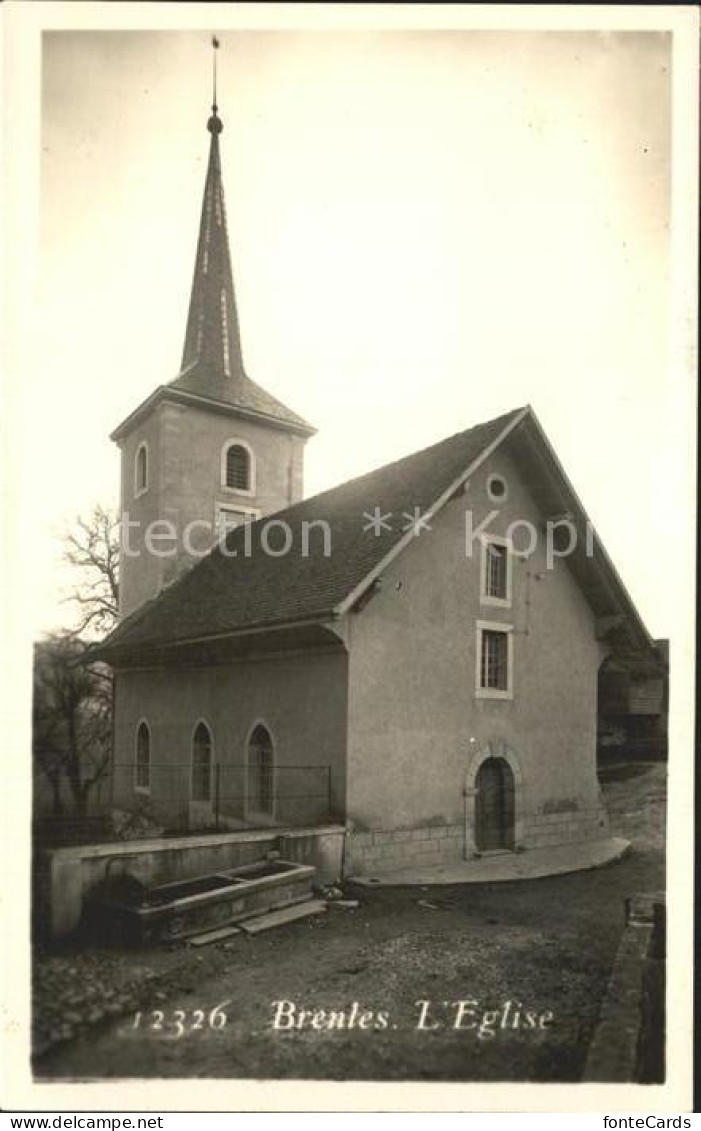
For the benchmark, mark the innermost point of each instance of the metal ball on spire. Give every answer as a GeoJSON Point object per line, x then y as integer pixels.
{"type": "Point", "coordinates": [215, 124]}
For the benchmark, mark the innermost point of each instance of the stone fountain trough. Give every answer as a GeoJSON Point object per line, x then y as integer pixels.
{"type": "Point", "coordinates": [129, 910]}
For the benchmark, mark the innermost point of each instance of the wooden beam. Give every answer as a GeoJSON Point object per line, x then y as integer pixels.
{"type": "Point", "coordinates": [606, 625]}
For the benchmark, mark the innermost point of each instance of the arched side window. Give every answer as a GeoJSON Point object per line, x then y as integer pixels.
{"type": "Point", "coordinates": [202, 763]}
{"type": "Point", "coordinates": [238, 467]}
{"type": "Point", "coordinates": [261, 792]}
{"type": "Point", "coordinates": [142, 772]}
{"type": "Point", "coordinates": [141, 470]}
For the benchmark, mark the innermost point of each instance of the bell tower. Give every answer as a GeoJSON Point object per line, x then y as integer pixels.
{"type": "Point", "coordinates": [211, 448]}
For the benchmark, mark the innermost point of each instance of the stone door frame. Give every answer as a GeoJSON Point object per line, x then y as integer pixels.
{"type": "Point", "coordinates": [493, 748]}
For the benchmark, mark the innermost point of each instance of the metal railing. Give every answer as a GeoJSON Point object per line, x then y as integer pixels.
{"type": "Point", "coordinates": [222, 795]}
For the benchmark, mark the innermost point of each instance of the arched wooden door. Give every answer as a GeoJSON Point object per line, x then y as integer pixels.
{"type": "Point", "coordinates": [494, 805]}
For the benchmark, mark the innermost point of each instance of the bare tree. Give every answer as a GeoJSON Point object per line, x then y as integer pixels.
{"type": "Point", "coordinates": [72, 715]}
{"type": "Point", "coordinates": [93, 548]}
{"type": "Point", "coordinates": [72, 711]}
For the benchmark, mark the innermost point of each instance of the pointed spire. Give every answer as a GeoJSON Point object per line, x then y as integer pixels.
{"type": "Point", "coordinates": [212, 364]}
{"type": "Point", "coordinates": [212, 339]}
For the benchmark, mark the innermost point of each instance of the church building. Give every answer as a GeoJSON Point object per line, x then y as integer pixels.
{"type": "Point", "coordinates": [412, 656]}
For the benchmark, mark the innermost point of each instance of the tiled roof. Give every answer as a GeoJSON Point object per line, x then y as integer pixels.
{"type": "Point", "coordinates": [224, 593]}
{"type": "Point", "coordinates": [239, 392]}
{"type": "Point", "coordinates": [212, 336]}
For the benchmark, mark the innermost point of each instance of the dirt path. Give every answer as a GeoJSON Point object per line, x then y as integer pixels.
{"type": "Point", "coordinates": [545, 946]}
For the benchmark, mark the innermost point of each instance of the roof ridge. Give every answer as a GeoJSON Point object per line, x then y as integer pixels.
{"type": "Point", "coordinates": [267, 587]}
{"type": "Point", "coordinates": [168, 593]}
{"type": "Point", "coordinates": [506, 416]}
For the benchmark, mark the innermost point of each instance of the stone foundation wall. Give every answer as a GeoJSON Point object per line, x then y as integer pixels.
{"type": "Point", "coordinates": [540, 830]}
{"type": "Point", "coordinates": [384, 850]}
{"type": "Point", "coordinates": [388, 849]}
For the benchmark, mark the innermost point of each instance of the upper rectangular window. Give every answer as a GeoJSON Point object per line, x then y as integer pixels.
{"type": "Point", "coordinates": [496, 571]}
{"type": "Point", "coordinates": [495, 583]}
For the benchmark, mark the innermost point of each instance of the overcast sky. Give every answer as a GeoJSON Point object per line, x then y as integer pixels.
{"type": "Point", "coordinates": [427, 229]}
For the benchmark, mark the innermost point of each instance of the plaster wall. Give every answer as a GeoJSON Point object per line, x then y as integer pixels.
{"type": "Point", "coordinates": [300, 699]}
{"type": "Point", "coordinates": [185, 485]}
{"type": "Point", "coordinates": [417, 729]}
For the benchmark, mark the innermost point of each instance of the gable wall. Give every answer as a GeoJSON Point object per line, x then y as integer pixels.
{"type": "Point", "coordinates": [415, 723]}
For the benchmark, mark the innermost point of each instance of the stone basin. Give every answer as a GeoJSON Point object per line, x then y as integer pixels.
{"type": "Point", "coordinates": [136, 912]}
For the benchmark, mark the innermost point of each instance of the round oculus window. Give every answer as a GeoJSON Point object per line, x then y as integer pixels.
{"type": "Point", "coordinates": [496, 488]}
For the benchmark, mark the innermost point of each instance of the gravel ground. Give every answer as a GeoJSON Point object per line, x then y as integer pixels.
{"type": "Point", "coordinates": [77, 991]}
{"type": "Point", "coordinates": [547, 944]}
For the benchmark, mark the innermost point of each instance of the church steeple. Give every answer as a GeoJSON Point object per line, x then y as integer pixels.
{"type": "Point", "coordinates": [212, 362]}
{"type": "Point", "coordinates": [211, 448]}
{"type": "Point", "coordinates": [212, 339]}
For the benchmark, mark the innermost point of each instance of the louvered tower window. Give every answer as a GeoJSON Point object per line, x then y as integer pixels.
{"type": "Point", "coordinates": [238, 468]}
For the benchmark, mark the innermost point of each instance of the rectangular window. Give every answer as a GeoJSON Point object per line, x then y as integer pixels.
{"type": "Point", "coordinates": [229, 517]}
{"type": "Point", "coordinates": [494, 661]}
{"type": "Point", "coordinates": [495, 655]}
{"type": "Point", "coordinates": [496, 571]}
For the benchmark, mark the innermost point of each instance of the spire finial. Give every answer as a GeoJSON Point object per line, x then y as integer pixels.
{"type": "Point", "coordinates": [214, 125]}
{"type": "Point", "coordinates": [215, 48]}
